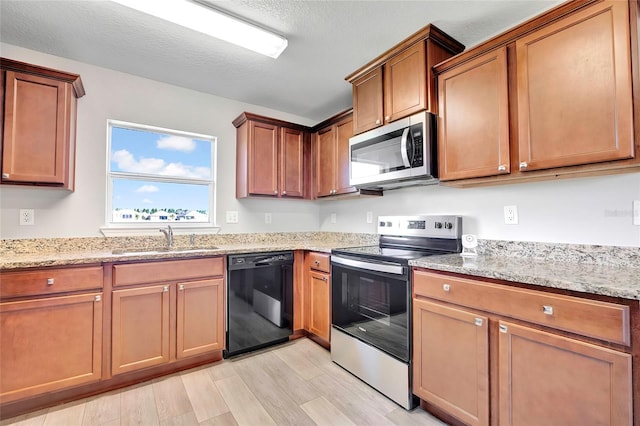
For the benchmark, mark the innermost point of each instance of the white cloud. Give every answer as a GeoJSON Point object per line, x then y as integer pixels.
{"type": "Point", "coordinates": [157, 166]}
{"type": "Point", "coordinates": [147, 201]}
{"type": "Point", "coordinates": [176, 143]}
{"type": "Point", "coordinates": [148, 188]}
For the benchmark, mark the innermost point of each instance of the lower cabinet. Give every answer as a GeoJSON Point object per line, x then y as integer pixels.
{"type": "Point", "coordinates": [317, 295]}
{"type": "Point", "coordinates": [561, 381]}
{"type": "Point", "coordinates": [158, 323]}
{"type": "Point", "coordinates": [49, 344]}
{"type": "Point", "coordinates": [451, 348]}
{"type": "Point", "coordinates": [200, 311]}
{"type": "Point", "coordinates": [547, 368]}
{"type": "Point", "coordinates": [140, 328]}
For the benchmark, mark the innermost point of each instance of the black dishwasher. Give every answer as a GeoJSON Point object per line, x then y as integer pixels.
{"type": "Point", "coordinates": [259, 300]}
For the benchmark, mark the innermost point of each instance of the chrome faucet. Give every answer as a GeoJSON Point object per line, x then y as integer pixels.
{"type": "Point", "coordinates": [169, 234]}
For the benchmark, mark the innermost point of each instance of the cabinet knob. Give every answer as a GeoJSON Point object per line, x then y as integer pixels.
{"type": "Point", "coordinates": [317, 262]}
{"type": "Point", "coordinates": [502, 168]}
{"type": "Point", "coordinates": [98, 298]}
{"type": "Point", "coordinates": [165, 289]}
{"type": "Point", "coordinates": [478, 322]}
{"type": "Point", "coordinates": [377, 121]}
{"type": "Point", "coordinates": [503, 328]}
{"type": "Point", "coordinates": [324, 278]}
{"type": "Point", "coordinates": [275, 192]}
{"type": "Point", "coordinates": [523, 165]}
{"type": "Point", "coordinates": [181, 287]}
{"type": "Point", "coordinates": [446, 287]}
{"type": "Point", "coordinates": [387, 118]}
{"type": "Point", "coordinates": [284, 192]}
{"type": "Point", "coordinates": [547, 310]}
{"type": "Point", "coordinates": [50, 281]}
{"type": "Point", "coordinates": [5, 175]}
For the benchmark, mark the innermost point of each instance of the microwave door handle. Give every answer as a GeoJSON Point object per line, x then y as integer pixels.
{"type": "Point", "coordinates": [403, 148]}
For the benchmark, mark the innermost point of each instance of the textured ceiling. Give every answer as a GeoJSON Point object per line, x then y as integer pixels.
{"type": "Point", "coordinates": [327, 41]}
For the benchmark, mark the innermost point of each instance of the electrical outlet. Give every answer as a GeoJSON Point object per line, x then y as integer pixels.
{"type": "Point", "coordinates": [636, 212]}
{"type": "Point", "coordinates": [27, 217]}
{"type": "Point", "coordinates": [267, 218]}
{"type": "Point", "coordinates": [511, 215]}
{"type": "Point", "coordinates": [232, 216]}
{"type": "Point", "coordinates": [369, 217]}
{"type": "Point", "coordinates": [333, 218]}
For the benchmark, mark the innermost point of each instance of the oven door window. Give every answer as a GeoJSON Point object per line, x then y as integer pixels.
{"type": "Point", "coordinates": [373, 307]}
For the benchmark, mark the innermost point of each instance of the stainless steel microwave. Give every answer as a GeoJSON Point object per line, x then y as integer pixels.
{"type": "Point", "coordinates": [395, 155]}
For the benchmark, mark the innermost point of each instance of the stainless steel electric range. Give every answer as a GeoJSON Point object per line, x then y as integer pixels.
{"type": "Point", "coordinates": [371, 300]}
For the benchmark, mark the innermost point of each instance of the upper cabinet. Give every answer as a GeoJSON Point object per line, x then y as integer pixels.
{"type": "Point", "coordinates": [38, 115]}
{"type": "Point", "coordinates": [271, 157]}
{"type": "Point", "coordinates": [331, 156]}
{"type": "Point", "coordinates": [574, 90]}
{"type": "Point", "coordinates": [552, 97]}
{"type": "Point", "coordinates": [400, 82]}
{"type": "Point", "coordinates": [473, 112]}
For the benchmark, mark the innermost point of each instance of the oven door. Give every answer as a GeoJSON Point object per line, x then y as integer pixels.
{"type": "Point", "coordinates": [371, 302]}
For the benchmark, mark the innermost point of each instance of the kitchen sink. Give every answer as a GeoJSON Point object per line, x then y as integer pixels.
{"type": "Point", "coordinates": [152, 250]}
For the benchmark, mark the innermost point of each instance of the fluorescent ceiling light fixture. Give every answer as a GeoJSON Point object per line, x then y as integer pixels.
{"type": "Point", "coordinates": [212, 22]}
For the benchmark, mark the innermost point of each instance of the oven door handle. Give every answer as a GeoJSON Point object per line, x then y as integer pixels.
{"type": "Point", "coordinates": [378, 267]}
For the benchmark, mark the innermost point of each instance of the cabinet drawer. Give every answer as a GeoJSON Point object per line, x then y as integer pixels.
{"type": "Point", "coordinates": [600, 320]}
{"type": "Point", "coordinates": [171, 270]}
{"type": "Point", "coordinates": [320, 262]}
{"type": "Point", "coordinates": [49, 281]}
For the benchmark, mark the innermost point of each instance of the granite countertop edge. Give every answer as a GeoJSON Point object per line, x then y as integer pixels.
{"type": "Point", "coordinates": [622, 282]}
{"type": "Point", "coordinates": [37, 260]}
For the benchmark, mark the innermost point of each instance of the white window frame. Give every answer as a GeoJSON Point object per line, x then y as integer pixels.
{"type": "Point", "coordinates": [123, 228]}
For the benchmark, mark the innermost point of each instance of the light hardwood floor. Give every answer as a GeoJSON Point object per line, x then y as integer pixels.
{"type": "Point", "coordinates": [292, 384]}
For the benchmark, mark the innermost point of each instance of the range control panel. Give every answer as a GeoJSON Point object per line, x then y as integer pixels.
{"type": "Point", "coordinates": [433, 226]}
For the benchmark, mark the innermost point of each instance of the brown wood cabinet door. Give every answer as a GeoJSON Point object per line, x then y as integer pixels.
{"type": "Point", "coordinates": [368, 101]}
{"type": "Point", "coordinates": [140, 328]}
{"type": "Point", "coordinates": [263, 159]}
{"type": "Point", "coordinates": [200, 317]}
{"type": "Point", "coordinates": [291, 162]}
{"type": "Point", "coordinates": [49, 344]}
{"type": "Point", "coordinates": [473, 118]}
{"type": "Point", "coordinates": [319, 304]}
{"type": "Point", "coordinates": [344, 131]}
{"type": "Point", "coordinates": [36, 129]}
{"type": "Point", "coordinates": [451, 360]}
{"type": "Point", "coordinates": [574, 90]}
{"type": "Point", "coordinates": [540, 373]}
{"type": "Point", "coordinates": [405, 83]}
{"type": "Point", "coordinates": [326, 152]}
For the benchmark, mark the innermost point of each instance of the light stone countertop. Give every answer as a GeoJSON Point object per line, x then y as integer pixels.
{"type": "Point", "coordinates": [606, 280]}
{"type": "Point", "coordinates": [608, 271]}
{"type": "Point", "coordinates": [42, 253]}
{"type": "Point", "coordinates": [35, 260]}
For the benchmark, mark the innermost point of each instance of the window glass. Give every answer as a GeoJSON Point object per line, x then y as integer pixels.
{"type": "Point", "coordinates": [159, 175]}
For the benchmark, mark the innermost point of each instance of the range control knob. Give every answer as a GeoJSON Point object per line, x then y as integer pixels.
{"type": "Point", "coordinates": [448, 225]}
{"type": "Point", "coordinates": [381, 224]}
{"type": "Point", "coordinates": [438, 225]}
{"type": "Point", "coordinates": [388, 223]}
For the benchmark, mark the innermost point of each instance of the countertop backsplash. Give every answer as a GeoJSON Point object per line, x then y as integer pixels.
{"type": "Point", "coordinates": [568, 253]}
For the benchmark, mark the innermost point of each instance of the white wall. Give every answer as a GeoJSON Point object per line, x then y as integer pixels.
{"type": "Point", "coordinates": [578, 210]}
{"type": "Point", "coordinates": [115, 95]}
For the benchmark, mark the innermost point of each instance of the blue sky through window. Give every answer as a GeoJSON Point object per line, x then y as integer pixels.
{"type": "Point", "coordinates": [144, 163]}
